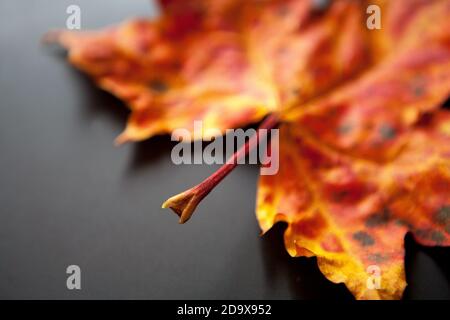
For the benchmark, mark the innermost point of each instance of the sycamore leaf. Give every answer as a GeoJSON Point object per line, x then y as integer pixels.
{"type": "Point", "coordinates": [364, 148]}
{"type": "Point", "coordinates": [228, 63]}
{"type": "Point", "coordinates": [353, 212]}
{"type": "Point", "coordinates": [371, 162]}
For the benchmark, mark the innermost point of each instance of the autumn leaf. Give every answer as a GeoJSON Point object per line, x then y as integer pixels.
{"type": "Point", "coordinates": [364, 143]}
{"type": "Point", "coordinates": [210, 61]}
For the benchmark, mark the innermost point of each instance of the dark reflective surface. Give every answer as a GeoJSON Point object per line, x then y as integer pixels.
{"type": "Point", "coordinates": [68, 196]}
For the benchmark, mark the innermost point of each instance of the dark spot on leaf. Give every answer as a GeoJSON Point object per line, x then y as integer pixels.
{"type": "Point", "coordinates": [377, 258]}
{"type": "Point", "coordinates": [296, 92]}
{"type": "Point", "coordinates": [363, 238]}
{"type": "Point", "coordinates": [345, 128]}
{"type": "Point", "coordinates": [422, 233]}
{"type": "Point", "coordinates": [437, 236]}
{"type": "Point", "coordinates": [378, 219]}
{"type": "Point", "coordinates": [429, 234]}
{"type": "Point", "coordinates": [418, 91]}
{"type": "Point", "coordinates": [442, 216]}
{"type": "Point", "coordinates": [321, 5]}
{"type": "Point", "coordinates": [387, 132]}
{"type": "Point", "coordinates": [447, 228]}
{"type": "Point", "coordinates": [418, 86]}
{"type": "Point", "coordinates": [158, 86]}
{"type": "Point", "coordinates": [404, 223]}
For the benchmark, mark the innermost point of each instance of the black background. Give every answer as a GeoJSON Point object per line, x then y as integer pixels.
{"type": "Point", "coordinates": [68, 196]}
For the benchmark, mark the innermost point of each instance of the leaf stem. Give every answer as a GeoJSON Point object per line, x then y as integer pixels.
{"type": "Point", "coordinates": [185, 203]}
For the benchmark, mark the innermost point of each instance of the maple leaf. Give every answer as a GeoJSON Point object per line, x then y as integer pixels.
{"type": "Point", "coordinates": [365, 147]}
